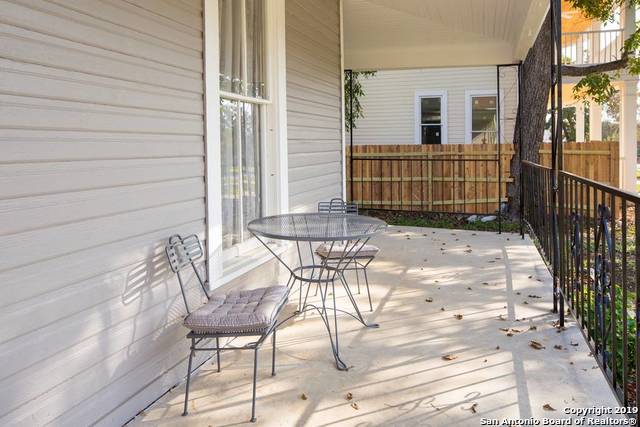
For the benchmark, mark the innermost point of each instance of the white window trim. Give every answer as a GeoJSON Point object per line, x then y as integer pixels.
{"type": "Point", "coordinates": [468, 94]}
{"type": "Point", "coordinates": [443, 112]}
{"type": "Point", "coordinates": [275, 189]}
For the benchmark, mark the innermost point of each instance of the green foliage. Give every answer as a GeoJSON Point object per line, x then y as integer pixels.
{"type": "Point", "coordinates": [595, 86]}
{"type": "Point", "coordinates": [353, 92]}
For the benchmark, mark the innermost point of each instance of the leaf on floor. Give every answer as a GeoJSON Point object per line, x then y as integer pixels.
{"type": "Point", "coordinates": [504, 329]}
{"type": "Point", "coordinates": [303, 396]}
{"type": "Point", "coordinates": [525, 302]}
{"type": "Point", "coordinates": [574, 344]}
{"type": "Point", "coordinates": [534, 296]}
{"type": "Point", "coordinates": [533, 328]}
{"type": "Point", "coordinates": [428, 299]}
{"type": "Point", "coordinates": [449, 357]}
{"type": "Point", "coordinates": [355, 406]}
{"type": "Point", "coordinates": [548, 407]}
{"type": "Point", "coordinates": [558, 347]}
{"type": "Point", "coordinates": [458, 316]}
{"type": "Point", "coordinates": [497, 347]}
{"type": "Point", "coordinates": [536, 345]}
{"type": "Point", "coordinates": [509, 334]}
{"type": "Point", "coordinates": [502, 317]}
{"type": "Point", "coordinates": [349, 396]}
{"type": "Point", "coordinates": [473, 407]}
{"type": "Point", "coordinates": [469, 288]}
{"type": "Point", "coordinates": [441, 308]}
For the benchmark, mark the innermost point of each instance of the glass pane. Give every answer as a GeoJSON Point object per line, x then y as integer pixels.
{"type": "Point", "coordinates": [255, 48]}
{"type": "Point", "coordinates": [430, 110]}
{"type": "Point", "coordinates": [251, 201]}
{"type": "Point", "coordinates": [431, 134]}
{"type": "Point", "coordinates": [241, 171]}
{"type": "Point", "coordinates": [483, 137]}
{"type": "Point", "coordinates": [242, 58]}
{"type": "Point", "coordinates": [230, 165]}
{"type": "Point", "coordinates": [483, 119]}
{"type": "Point", "coordinates": [230, 17]}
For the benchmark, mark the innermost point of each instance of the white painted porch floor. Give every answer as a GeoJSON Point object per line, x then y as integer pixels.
{"type": "Point", "coordinates": [398, 374]}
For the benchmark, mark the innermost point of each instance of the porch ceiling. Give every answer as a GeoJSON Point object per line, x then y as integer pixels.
{"type": "Point", "coordinates": [391, 34]}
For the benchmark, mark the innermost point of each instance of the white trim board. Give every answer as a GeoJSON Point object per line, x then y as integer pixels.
{"type": "Point", "coordinates": [442, 94]}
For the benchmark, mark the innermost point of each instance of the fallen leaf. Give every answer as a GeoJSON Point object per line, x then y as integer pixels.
{"type": "Point", "coordinates": [533, 328]}
{"type": "Point", "coordinates": [497, 347]}
{"type": "Point", "coordinates": [525, 302]}
{"type": "Point", "coordinates": [517, 331]}
{"type": "Point", "coordinates": [504, 329]}
{"type": "Point", "coordinates": [575, 344]}
{"type": "Point", "coordinates": [428, 299]}
{"type": "Point", "coordinates": [473, 408]}
{"type": "Point", "coordinates": [441, 308]}
{"type": "Point", "coordinates": [534, 296]}
{"type": "Point", "coordinates": [354, 405]}
{"type": "Point", "coordinates": [349, 396]}
{"type": "Point", "coordinates": [548, 407]}
{"type": "Point", "coordinates": [536, 345]}
{"type": "Point", "coordinates": [509, 334]}
{"type": "Point", "coordinates": [303, 396]}
{"type": "Point", "coordinates": [469, 288]}
{"type": "Point", "coordinates": [449, 357]}
{"type": "Point", "coordinates": [458, 316]}
{"type": "Point", "coordinates": [558, 347]}
{"type": "Point", "coordinates": [501, 317]}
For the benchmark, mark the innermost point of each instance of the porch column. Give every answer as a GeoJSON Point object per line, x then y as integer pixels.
{"type": "Point", "coordinates": [595, 121]}
{"type": "Point", "coordinates": [579, 122]}
{"type": "Point", "coordinates": [628, 109]}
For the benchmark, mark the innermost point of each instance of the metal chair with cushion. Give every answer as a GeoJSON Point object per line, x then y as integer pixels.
{"type": "Point", "coordinates": [334, 253]}
{"type": "Point", "coordinates": [244, 313]}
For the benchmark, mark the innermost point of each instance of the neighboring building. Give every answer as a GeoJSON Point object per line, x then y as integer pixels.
{"type": "Point", "coordinates": [437, 106]}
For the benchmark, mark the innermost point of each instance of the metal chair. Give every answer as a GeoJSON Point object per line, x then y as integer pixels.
{"type": "Point", "coordinates": [225, 315]}
{"type": "Point", "coordinates": [366, 254]}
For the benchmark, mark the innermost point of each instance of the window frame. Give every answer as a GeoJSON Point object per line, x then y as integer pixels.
{"type": "Point", "coordinates": [442, 94]}
{"type": "Point", "coordinates": [468, 115]}
{"type": "Point", "coordinates": [246, 255]}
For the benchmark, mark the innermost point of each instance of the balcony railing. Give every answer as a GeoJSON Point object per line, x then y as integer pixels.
{"type": "Point", "coordinates": [592, 47]}
{"type": "Point", "coordinates": [598, 266]}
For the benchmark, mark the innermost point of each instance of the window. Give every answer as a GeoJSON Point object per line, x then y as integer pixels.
{"type": "Point", "coordinates": [431, 124]}
{"type": "Point", "coordinates": [481, 117]}
{"type": "Point", "coordinates": [242, 101]}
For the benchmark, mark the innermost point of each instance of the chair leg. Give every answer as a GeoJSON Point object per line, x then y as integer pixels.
{"type": "Point", "coordinates": [218, 353]}
{"type": "Point", "coordinates": [186, 392]}
{"type": "Point", "coordinates": [273, 355]}
{"type": "Point", "coordinates": [366, 281]}
{"type": "Point", "coordinates": [355, 263]}
{"type": "Point", "coordinates": [255, 374]}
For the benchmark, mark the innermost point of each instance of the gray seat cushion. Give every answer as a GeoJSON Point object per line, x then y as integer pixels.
{"type": "Point", "coordinates": [253, 311]}
{"type": "Point", "coordinates": [326, 251]}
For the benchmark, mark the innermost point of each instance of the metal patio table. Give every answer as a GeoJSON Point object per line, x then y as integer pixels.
{"type": "Point", "coordinates": [345, 235]}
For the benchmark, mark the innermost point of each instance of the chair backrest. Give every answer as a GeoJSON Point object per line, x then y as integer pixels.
{"type": "Point", "coordinates": [182, 254]}
{"type": "Point", "coordinates": [338, 205]}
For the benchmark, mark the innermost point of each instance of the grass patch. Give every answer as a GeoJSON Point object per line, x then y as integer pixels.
{"type": "Point", "coordinates": [442, 220]}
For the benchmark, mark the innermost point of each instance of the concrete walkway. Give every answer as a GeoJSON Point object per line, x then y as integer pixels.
{"type": "Point", "coordinates": [436, 293]}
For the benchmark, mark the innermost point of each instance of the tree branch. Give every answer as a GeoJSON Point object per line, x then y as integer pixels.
{"type": "Point", "coordinates": [583, 70]}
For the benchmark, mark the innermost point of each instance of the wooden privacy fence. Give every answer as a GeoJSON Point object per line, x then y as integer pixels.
{"type": "Point", "coordinates": [461, 178]}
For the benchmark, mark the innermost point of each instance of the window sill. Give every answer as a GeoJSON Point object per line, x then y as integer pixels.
{"type": "Point", "coordinates": [254, 258]}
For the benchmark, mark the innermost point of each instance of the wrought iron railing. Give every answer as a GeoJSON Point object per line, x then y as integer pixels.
{"type": "Point", "coordinates": [597, 267]}
{"type": "Point", "coordinates": [592, 47]}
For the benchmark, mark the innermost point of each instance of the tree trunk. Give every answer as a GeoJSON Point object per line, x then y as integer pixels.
{"type": "Point", "coordinates": [536, 85]}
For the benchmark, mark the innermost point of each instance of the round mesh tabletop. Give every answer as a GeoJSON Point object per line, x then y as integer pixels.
{"type": "Point", "coordinates": [316, 227]}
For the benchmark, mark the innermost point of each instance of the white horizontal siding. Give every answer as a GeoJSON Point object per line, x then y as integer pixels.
{"type": "Point", "coordinates": [101, 159]}
{"type": "Point", "coordinates": [389, 102]}
{"type": "Point", "coordinates": [314, 93]}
